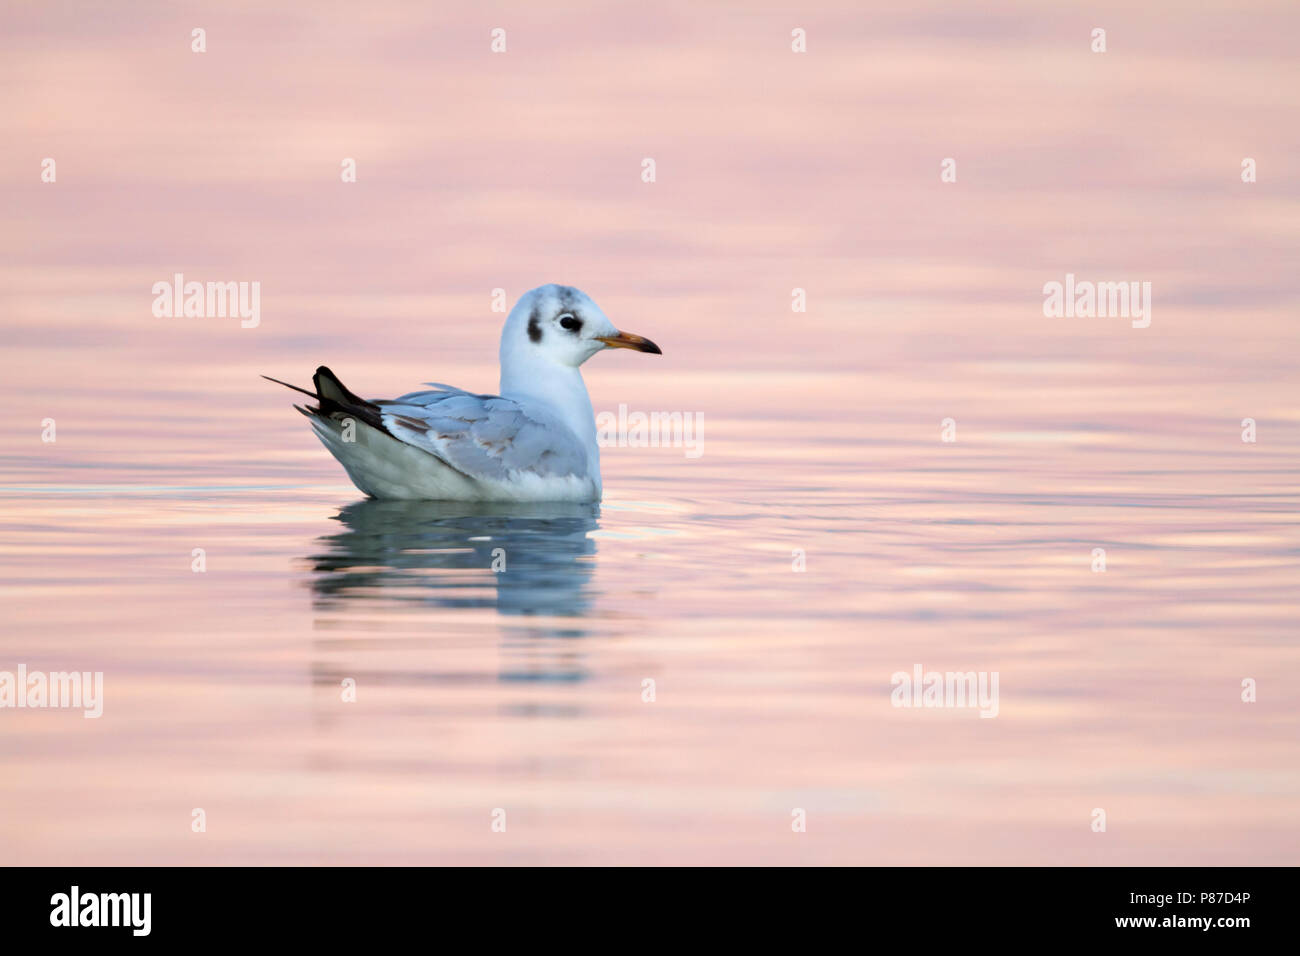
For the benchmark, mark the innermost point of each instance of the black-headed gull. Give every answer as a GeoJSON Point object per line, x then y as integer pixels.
{"type": "Point", "coordinates": [536, 441]}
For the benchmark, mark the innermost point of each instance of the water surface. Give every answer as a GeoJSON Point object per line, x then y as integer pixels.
{"type": "Point", "coordinates": [827, 537]}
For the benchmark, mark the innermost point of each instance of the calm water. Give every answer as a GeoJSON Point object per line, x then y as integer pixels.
{"type": "Point", "coordinates": [521, 689]}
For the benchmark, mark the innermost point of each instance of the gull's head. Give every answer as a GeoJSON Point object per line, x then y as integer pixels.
{"type": "Point", "coordinates": [561, 324]}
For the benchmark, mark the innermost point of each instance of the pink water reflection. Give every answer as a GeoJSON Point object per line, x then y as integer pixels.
{"type": "Point", "coordinates": [775, 171]}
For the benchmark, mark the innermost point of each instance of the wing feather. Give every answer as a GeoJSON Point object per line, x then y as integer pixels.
{"type": "Point", "coordinates": [484, 436]}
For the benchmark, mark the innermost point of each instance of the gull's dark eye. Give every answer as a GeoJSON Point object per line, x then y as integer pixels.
{"type": "Point", "coordinates": [568, 321]}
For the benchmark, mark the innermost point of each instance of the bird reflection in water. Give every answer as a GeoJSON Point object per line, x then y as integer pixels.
{"type": "Point", "coordinates": [531, 563]}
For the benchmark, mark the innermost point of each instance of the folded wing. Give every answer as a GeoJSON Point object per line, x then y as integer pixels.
{"type": "Point", "coordinates": [483, 436]}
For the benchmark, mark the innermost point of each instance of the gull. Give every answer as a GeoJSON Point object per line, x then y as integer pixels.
{"type": "Point", "coordinates": [536, 441]}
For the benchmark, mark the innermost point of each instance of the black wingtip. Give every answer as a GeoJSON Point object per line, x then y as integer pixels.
{"type": "Point", "coordinates": [287, 385]}
{"type": "Point", "coordinates": [329, 386]}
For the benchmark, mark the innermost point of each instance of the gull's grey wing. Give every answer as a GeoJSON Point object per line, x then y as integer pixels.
{"type": "Point", "coordinates": [484, 436]}
{"type": "Point", "coordinates": [438, 393]}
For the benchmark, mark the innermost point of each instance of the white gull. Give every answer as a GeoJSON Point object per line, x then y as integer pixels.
{"type": "Point", "coordinates": [536, 441]}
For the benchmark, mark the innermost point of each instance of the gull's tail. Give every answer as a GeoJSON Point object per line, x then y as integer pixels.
{"type": "Point", "coordinates": [335, 401]}
{"type": "Point", "coordinates": [340, 419]}
{"type": "Point", "coordinates": [379, 462]}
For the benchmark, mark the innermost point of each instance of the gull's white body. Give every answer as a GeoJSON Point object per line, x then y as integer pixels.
{"type": "Point", "coordinates": [535, 441]}
{"type": "Point", "coordinates": [406, 469]}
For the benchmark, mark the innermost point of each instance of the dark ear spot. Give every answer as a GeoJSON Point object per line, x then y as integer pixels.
{"type": "Point", "coordinates": [534, 327]}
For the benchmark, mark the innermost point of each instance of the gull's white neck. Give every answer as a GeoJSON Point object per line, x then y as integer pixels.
{"type": "Point", "coordinates": [533, 379]}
